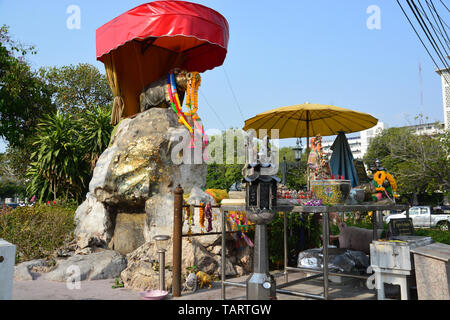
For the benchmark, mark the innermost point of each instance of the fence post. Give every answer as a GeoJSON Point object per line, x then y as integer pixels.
{"type": "Point", "coordinates": [177, 233]}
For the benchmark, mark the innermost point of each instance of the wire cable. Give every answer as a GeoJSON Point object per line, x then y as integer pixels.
{"type": "Point", "coordinates": [445, 6]}
{"type": "Point", "coordinates": [213, 110]}
{"type": "Point", "coordinates": [234, 95]}
{"type": "Point", "coordinates": [427, 32]}
{"type": "Point", "coordinates": [412, 25]}
{"type": "Point", "coordinates": [434, 30]}
{"type": "Point", "coordinates": [442, 32]}
{"type": "Point", "coordinates": [440, 20]}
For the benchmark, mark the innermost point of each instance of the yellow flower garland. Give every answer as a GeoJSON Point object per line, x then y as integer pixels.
{"type": "Point", "coordinates": [379, 178]}
{"type": "Point", "coordinates": [194, 82]}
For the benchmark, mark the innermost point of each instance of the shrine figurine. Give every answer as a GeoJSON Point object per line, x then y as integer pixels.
{"type": "Point", "coordinates": [318, 162]}
{"type": "Point", "coordinates": [384, 184]}
{"type": "Point", "coordinates": [156, 94]}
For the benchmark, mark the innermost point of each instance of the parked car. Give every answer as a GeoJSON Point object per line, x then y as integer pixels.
{"type": "Point", "coordinates": [426, 217]}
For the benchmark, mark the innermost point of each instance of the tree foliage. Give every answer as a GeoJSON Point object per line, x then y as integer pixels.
{"type": "Point", "coordinates": [296, 176]}
{"type": "Point", "coordinates": [24, 98]}
{"type": "Point", "coordinates": [77, 87]}
{"type": "Point", "coordinates": [66, 153]}
{"type": "Point", "coordinates": [420, 163]}
{"type": "Point", "coordinates": [95, 133]}
{"type": "Point", "coordinates": [220, 174]}
{"type": "Point", "coordinates": [57, 169]}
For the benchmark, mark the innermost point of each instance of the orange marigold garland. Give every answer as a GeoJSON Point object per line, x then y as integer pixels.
{"type": "Point", "coordinates": [201, 220]}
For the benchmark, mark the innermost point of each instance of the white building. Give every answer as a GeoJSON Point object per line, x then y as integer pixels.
{"type": "Point", "coordinates": [445, 78]}
{"type": "Point", "coordinates": [427, 129]}
{"type": "Point", "coordinates": [358, 144]}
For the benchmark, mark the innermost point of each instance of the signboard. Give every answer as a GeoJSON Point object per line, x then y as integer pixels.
{"type": "Point", "coordinates": [401, 227]}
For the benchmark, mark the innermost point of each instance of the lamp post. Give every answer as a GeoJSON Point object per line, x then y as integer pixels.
{"type": "Point", "coordinates": [161, 244]}
{"type": "Point", "coordinates": [297, 156]}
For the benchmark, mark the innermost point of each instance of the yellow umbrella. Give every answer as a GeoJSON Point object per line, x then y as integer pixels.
{"type": "Point", "coordinates": [310, 119]}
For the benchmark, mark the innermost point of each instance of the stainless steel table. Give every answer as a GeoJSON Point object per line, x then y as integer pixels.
{"type": "Point", "coordinates": [324, 211]}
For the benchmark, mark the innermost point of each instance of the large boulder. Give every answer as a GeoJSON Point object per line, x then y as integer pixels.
{"type": "Point", "coordinates": [93, 221]}
{"type": "Point", "coordinates": [142, 270]}
{"type": "Point", "coordinates": [24, 271]}
{"type": "Point", "coordinates": [137, 174]}
{"type": "Point", "coordinates": [140, 163]}
{"type": "Point", "coordinates": [106, 264]}
{"type": "Point", "coordinates": [131, 200]}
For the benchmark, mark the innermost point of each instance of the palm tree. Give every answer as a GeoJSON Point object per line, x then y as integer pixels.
{"type": "Point", "coordinates": [57, 167]}
{"type": "Point", "coordinates": [95, 132]}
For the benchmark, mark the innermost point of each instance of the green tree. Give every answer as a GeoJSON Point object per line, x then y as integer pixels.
{"type": "Point", "coordinates": [96, 133]}
{"type": "Point", "coordinates": [77, 87]}
{"type": "Point", "coordinates": [223, 175]}
{"type": "Point", "coordinates": [58, 169]}
{"type": "Point", "coordinates": [420, 163]}
{"type": "Point", "coordinates": [24, 98]}
{"type": "Point", "coordinates": [296, 178]}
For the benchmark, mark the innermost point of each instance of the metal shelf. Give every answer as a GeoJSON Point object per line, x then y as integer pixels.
{"type": "Point", "coordinates": [324, 210]}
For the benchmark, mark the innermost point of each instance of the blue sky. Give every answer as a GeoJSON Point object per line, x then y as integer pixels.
{"type": "Point", "coordinates": [280, 53]}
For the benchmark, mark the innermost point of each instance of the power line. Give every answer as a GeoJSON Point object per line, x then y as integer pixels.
{"type": "Point", "coordinates": [445, 5]}
{"type": "Point", "coordinates": [434, 29]}
{"type": "Point", "coordinates": [401, 7]}
{"type": "Point", "coordinates": [428, 35]}
{"type": "Point", "coordinates": [443, 33]}
{"type": "Point", "coordinates": [213, 110]}
{"type": "Point", "coordinates": [234, 96]}
{"type": "Point", "coordinates": [440, 19]}
{"type": "Point", "coordinates": [427, 32]}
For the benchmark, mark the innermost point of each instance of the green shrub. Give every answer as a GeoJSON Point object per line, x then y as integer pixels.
{"type": "Point", "coordinates": [435, 234]}
{"type": "Point", "coordinates": [37, 231]}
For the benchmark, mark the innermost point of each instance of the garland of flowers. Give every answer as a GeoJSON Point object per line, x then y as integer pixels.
{"type": "Point", "coordinates": [239, 221]}
{"type": "Point", "coordinates": [193, 84]}
{"type": "Point", "coordinates": [209, 216]}
{"type": "Point", "coordinates": [379, 178]}
{"type": "Point", "coordinates": [175, 102]}
{"type": "Point", "coordinates": [201, 219]}
{"type": "Point", "coordinates": [190, 220]}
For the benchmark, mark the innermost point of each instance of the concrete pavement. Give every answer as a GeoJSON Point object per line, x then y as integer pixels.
{"type": "Point", "coordinates": [41, 289]}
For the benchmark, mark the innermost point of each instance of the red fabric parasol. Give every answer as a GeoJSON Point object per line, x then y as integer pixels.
{"type": "Point", "coordinates": [198, 32]}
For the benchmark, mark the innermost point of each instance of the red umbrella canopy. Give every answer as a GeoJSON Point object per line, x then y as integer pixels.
{"type": "Point", "coordinates": [141, 45]}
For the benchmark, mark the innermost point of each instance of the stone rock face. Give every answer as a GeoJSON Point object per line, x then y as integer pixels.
{"type": "Point", "coordinates": [140, 273]}
{"type": "Point", "coordinates": [139, 163]}
{"type": "Point", "coordinates": [128, 232]}
{"type": "Point", "coordinates": [137, 174]}
{"type": "Point", "coordinates": [92, 221]}
{"type": "Point", "coordinates": [131, 200]}
{"type": "Point", "coordinates": [23, 271]}
{"type": "Point", "coordinates": [105, 264]}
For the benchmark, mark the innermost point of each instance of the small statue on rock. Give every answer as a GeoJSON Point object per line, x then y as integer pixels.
{"type": "Point", "coordinates": [384, 183]}
{"type": "Point", "coordinates": [156, 94]}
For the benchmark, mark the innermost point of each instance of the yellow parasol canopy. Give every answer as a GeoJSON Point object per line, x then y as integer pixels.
{"type": "Point", "coordinates": [310, 119]}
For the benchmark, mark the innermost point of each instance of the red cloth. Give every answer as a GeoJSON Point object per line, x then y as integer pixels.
{"type": "Point", "coordinates": [199, 32]}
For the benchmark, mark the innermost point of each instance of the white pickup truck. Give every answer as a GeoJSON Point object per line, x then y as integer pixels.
{"type": "Point", "coordinates": [426, 217]}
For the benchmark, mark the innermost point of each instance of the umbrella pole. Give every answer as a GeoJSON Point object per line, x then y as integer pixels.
{"type": "Point", "coordinates": [307, 165]}
{"type": "Point", "coordinates": [308, 150]}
